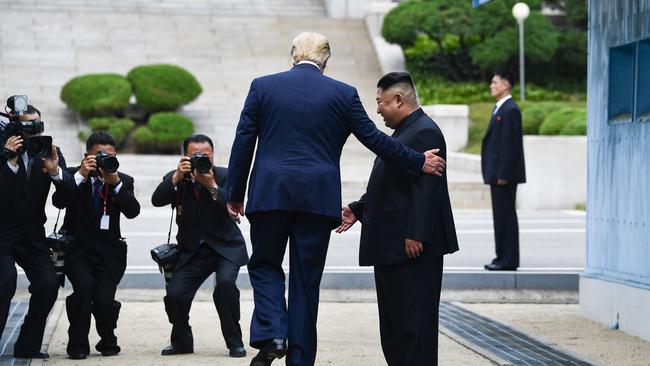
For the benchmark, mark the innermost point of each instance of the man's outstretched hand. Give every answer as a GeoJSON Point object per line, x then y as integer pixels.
{"type": "Point", "coordinates": [348, 219]}
{"type": "Point", "coordinates": [433, 164]}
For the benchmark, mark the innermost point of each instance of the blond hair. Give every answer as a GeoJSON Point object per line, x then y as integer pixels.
{"type": "Point", "coordinates": [309, 46]}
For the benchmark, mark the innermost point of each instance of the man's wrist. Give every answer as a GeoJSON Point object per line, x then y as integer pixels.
{"type": "Point", "coordinates": [214, 192]}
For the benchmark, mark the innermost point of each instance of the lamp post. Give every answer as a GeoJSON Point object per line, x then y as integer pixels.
{"type": "Point", "coordinates": [520, 11]}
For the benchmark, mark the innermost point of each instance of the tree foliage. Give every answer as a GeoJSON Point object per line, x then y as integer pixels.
{"type": "Point", "coordinates": [452, 40]}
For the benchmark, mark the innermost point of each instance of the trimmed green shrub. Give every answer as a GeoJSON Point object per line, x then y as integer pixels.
{"type": "Point", "coordinates": [163, 87]}
{"type": "Point", "coordinates": [164, 132]}
{"type": "Point", "coordinates": [534, 115]}
{"type": "Point", "coordinates": [557, 120]}
{"type": "Point", "coordinates": [119, 128]}
{"type": "Point", "coordinates": [97, 94]}
{"type": "Point", "coordinates": [577, 127]}
{"type": "Point", "coordinates": [144, 138]}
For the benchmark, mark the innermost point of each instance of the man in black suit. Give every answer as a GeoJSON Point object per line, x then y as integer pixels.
{"type": "Point", "coordinates": [209, 242]}
{"type": "Point", "coordinates": [24, 187]}
{"type": "Point", "coordinates": [407, 228]}
{"type": "Point", "coordinates": [97, 261]}
{"type": "Point", "coordinates": [502, 164]}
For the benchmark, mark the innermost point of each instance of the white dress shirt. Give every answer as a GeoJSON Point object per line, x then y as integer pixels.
{"type": "Point", "coordinates": [500, 103]}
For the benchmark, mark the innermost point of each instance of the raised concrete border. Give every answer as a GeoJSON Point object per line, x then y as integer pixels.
{"type": "Point", "coordinates": [453, 120]}
{"type": "Point", "coordinates": [390, 56]}
{"type": "Point", "coordinates": [363, 278]}
{"type": "Point", "coordinates": [556, 172]}
{"type": "Point", "coordinates": [615, 304]}
{"type": "Point", "coordinates": [351, 9]}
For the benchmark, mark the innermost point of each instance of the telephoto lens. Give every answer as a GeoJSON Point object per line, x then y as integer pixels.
{"type": "Point", "coordinates": [201, 163]}
{"type": "Point", "coordinates": [58, 258]}
{"type": "Point", "coordinates": [39, 146]}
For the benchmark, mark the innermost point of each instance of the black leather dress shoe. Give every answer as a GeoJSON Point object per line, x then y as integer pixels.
{"type": "Point", "coordinates": [172, 350]}
{"type": "Point", "coordinates": [498, 267]}
{"type": "Point", "coordinates": [275, 349]}
{"type": "Point", "coordinates": [238, 352]}
{"type": "Point", "coordinates": [108, 349]}
{"type": "Point", "coordinates": [41, 355]}
{"type": "Point", "coordinates": [78, 356]}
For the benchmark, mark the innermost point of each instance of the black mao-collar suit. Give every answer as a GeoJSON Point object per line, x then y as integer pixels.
{"type": "Point", "coordinates": [502, 157]}
{"type": "Point", "coordinates": [209, 242]}
{"type": "Point", "coordinates": [97, 261]}
{"type": "Point", "coordinates": [398, 206]}
{"type": "Point", "coordinates": [22, 240]}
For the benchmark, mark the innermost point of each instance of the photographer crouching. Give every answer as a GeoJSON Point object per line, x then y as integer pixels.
{"type": "Point", "coordinates": [97, 260]}
{"type": "Point", "coordinates": [209, 242]}
{"type": "Point", "coordinates": [29, 164]}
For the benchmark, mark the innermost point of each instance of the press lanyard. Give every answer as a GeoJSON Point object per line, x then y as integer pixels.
{"type": "Point", "coordinates": [104, 196]}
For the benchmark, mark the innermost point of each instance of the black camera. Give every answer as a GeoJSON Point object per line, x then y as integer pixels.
{"type": "Point", "coordinates": [107, 162]}
{"type": "Point", "coordinates": [36, 146]}
{"type": "Point", "coordinates": [166, 256]}
{"type": "Point", "coordinates": [60, 243]}
{"type": "Point", "coordinates": [201, 163]}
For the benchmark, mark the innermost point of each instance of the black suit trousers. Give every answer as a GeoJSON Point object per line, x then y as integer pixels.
{"type": "Point", "coordinates": [408, 296]}
{"type": "Point", "coordinates": [93, 293]}
{"type": "Point", "coordinates": [183, 286]}
{"type": "Point", "coordinates": [43, 286]}
{"type": "Point", "coordinates": [506, 226]}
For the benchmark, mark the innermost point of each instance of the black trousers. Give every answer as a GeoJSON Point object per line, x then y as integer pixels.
{"type": "Point", "coordinates": [93, 293]}
{"type": "Point", "coordinates": [408, 296]}
{"type": "Point", "coordinates": [308, 236]}
{"type": "Point", "coordinates": [43, 286]}
{"type": "Point", "coordinates": [506, 226]}
{"type": "Point", "coordinates": [183, 286]}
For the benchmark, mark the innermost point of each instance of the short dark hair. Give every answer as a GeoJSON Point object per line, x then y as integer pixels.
{"type": "Point", "coordinates": [100, 138]}
{"type": "Point", "coordinates": [393, 78]}
{"type": "Point", "coordinates": [506, 75]}
{"type": "Point", "coordinates": [31, 110]}
{"type": "Point", "coordinates": [198, 138]}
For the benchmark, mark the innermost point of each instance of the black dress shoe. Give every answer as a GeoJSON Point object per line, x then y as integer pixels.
{"type": "Point", "coordinates": [238, 352]}
{"type": "Point", "coordinates": [78, 356]}
{"type": "Point", "coordinates": [498, 267]}
{"type": "Point", "coordinates": [41, 355]}
{"type": "Point", "coordinates": [173, 350]}
{"type": "Point", "coordinates": [108, 349]}
{"type": "Point", "coordinates": [275, 349]}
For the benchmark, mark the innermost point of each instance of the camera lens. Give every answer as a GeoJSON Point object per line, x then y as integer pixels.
{"type": "Point", "coordinates": [110, 164]}
{"type": "Point", "coordinates": [39, 146]}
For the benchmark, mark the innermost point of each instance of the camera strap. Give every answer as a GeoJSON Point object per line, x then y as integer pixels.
{"type": "Point", "coordinates": [57, 221]}
{"type": "Point", "coordinates": [171, 220]}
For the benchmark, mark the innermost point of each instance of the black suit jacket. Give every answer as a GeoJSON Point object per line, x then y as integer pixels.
{"type": "Point", "coordinates": [82, 220]}
{"type": "Point", "coordinates": [202, 219]}
{"type": "Point", "coordinates": [22, 202]}
{"type": "Point", "coordinates": [502, 153]}
{"type": "Point", "coordinates": [399, 206]}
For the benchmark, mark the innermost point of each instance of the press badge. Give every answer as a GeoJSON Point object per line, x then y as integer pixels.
{"type": "Point", "coordinates": [103, 224]}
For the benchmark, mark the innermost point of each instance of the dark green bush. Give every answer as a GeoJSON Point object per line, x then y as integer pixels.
{"type": "Point", "coordinates": [556, 121]}
{"type": "Point", "coordinates": [119, 128]}
{"type": "Point", "coordinates": [577, 127]}
{"type": "Point", "coordinates": [163, 87]}
{"type": "Point", "coordinates": [97, 94]}
{"type": "Point", "coordinates": [164, 132]}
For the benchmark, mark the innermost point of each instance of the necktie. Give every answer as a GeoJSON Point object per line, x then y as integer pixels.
{"type": "Point", "coordinates": [97, 194]}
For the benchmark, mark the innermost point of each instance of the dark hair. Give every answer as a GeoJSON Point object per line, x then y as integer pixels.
{"type": "Point", "coordinates": [197, 138]}
{"type": "Point", "coordinates": [31, 110]}
{"type": "Point", "coordinates": [393, 78]}
{"type": "Point", "coordinates": [505, 75]}
{"type": "Point", "coordinates": [100, 138]}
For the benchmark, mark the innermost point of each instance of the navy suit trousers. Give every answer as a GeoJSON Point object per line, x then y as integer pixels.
{"type": "Point", "coordinates": [308, 235]}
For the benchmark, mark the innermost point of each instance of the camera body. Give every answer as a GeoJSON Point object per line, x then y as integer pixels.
{"type": "Point", "coordinates": [166, 256]}
{"type": "Point", "coordinates": [59, 243]}
{"type": "Point", "coordinates": [201, 163]}
{"type": "Point", "coordinates": [106, 162]}
{"type": "Point", "coordinates": [36, 146]}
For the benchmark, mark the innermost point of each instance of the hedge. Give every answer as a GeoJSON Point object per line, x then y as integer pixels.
{"type": "Point", "coordinates": [556, 121]}
{"type": "Point", "coordinates": [164, 132]}
{"type": "Point", "coordinates": [534, 115]}
{"type": "Point", "coordinates": [163, 87]}
{"type": "Point", "coordinates": [577, 127]}
{"type": "Point", "coordinates": [119, 128]}
{"type": "Point", "coordinates": [96, 95]}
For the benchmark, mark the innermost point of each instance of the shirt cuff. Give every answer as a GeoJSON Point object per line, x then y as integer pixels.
{"type": "Point", "coordinates": [59, 176]}
{"type": "Point", "coordinates": [118, 187]}
{"type": "Point", "coordinates": [14, 168]}
{"type": "Point", "coordinates": [78, 178]}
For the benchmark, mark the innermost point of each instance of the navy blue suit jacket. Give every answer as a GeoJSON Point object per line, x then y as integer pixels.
{"type": "Point", "coordinates": [300, 120]}
{"type": "Point", "coordinates": [502, 152]}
